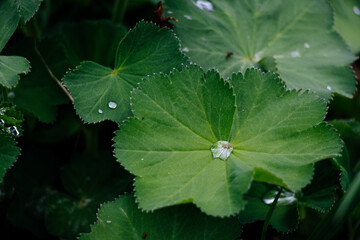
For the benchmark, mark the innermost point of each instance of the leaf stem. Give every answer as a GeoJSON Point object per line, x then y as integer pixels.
{"type": "Point", "coordinates": [119, 10]}
{"type": "Point", "coordinates": [51, 73]}
{"type": "Point", "coordinates": [5, 94]}
{"type": "Point", "coordinates": [269, 214]}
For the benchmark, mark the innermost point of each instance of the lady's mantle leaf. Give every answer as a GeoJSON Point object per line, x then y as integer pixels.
{"type": "Point", "coordinates": [347, 21]}
{"type": "Point", "coordinates": [272, 135]}
{"type": "Point", "coordinates": [103, 93]}
{"type": "Point", "coordinates": [232, 35]}
{"type": "Point", "coordinates": [8, 153]}
{"type": "Point", "coordinates": [9, 20]}
{"type": "Point", "coordinates": [123, 220]}
{"type": "Point", "coordinates": [27, 8]}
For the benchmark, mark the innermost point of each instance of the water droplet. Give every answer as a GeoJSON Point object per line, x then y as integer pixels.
{"type": "Point", "coordinates": [295, 53]}
{"type": "Point", "coordinates": [221, 149]}
{"type": "Point", "coordinates": [100, 111]}
{"type": "Point", "coordinates": [356, 10]}
{"type": "Point", "coordinates": [2, 122]}
{"type": "Point", "coordinates": [170, 12]}
{"type": "Point", "coordinates": [187, 17]}
{"type": "Point", "coordinates": [185, 50]}
{"type": "Point", "coordinates": [13, 131]}
{"type": "Point", "coordinates": [286, 197]}
{"type": "Point", "coordinates": [108, 221]}
{"type": "Point", "coordinates": [205, 5]}
{"type": "Point", "coordinates": [328, 88]}
{"type": "Point", "coordinates": [11, 94]}
{"type": "Point", "coordinates": [278, 56]}
{"type": "Point", "coordinates": [306, 45]}
{"type": "Point", "coordinates": [112, 105]}
{"type": "Point", "coordinates": [258, 56]}
{"type": "Point", "coordinates": [142, 159]}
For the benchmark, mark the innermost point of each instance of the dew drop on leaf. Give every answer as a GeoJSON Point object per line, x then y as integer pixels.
{"type": "Point", "coordinates": [112, 105]}
{"type": "Point", "coordinates": [142, 159]}
{"type": "Point", "coordinates": [306, 45]}
{"type": "Point", "coordinates": [328, 88]}
{"type": "Point", "coordinates": [286, 197]}
{"type": "Point", "coordinates": [221, 149]}
{"type": "Point", "coordinates": [204, 5]}
{"type": "Point", "coordinates": [100, 111]}
{"type": "Point", "coordinates": [295, 53]}
{"type": "Point", "coordinates": [356, 10]}
{"type": "Point", "coordinates": [13, 131]}
{"type": "Point", "coordinates": [187, 17]}
{"type": "Point", "coordinates": [185, 50]}
{"type": "Point", "coordinates": [170, 12]}
{"type": "Point", "coordinates": [108, 221]}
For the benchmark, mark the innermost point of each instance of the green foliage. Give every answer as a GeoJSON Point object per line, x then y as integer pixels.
{"type": "Point", "coordinates": [298, 34]}
{"type": "Point", "coordinates": [177, 119]}
{"type": "Point", "coordinates": [347, 18]}
{"type": "Point", "coordinates": [211, 151]}
{"type": "Point", "coordinates": [87, 188]}
{"type": "Point", "coordinates": [104, 93]}
{"type": "Point", "coordinates": [123, 220]}
{"type": "Point", "coordinates": [8, 153]}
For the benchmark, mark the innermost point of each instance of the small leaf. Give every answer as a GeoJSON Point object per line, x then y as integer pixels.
{"type": "Point", "coordinates": [10, 121]}
{"type": "Point", "coordinates": [298, 34]}
{"type": "Point", "coordinates": [8, 153]}
{"type": "Point", "coordinates": [180, 117]}
{"type": "Point", "coordinates": [27, 8]}
{"type": "Point", "coordinates": [104, 93]}
{"type": "Point", "coordinates": [123, 220]}
{"type": "Point", "coordinates": [86, 188]}
{"type": "Point", "coordinates": [347, 20]}
{"type": "Point", "coordinates": [10, 68]}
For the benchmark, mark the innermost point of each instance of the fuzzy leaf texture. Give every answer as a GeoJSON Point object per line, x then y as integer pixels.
{"type": "Point", "coordinates": [123, 220]}
{"type": "Point", "coordinates": [276, 136]}
{"type": "Point", "coordinates": [102, 93]}
{"type": "Point", "coordinates": [232, 35]}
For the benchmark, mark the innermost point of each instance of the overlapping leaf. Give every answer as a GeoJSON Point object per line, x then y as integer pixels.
{"type": "Point", "coordinates": [232, 35]}
{"type": "Point", "coordinates": [347, 20]}
{"type": "Point", "coordinates": [8, 153]}
{"type": "Point", "coordinates": [10, 66]}
{"type": "Point", "coordinates": [104, 93]}
{"type": "Point", "coordinates": [27, 9]}
{"type": "Point", "coordinates": [318, 195]}
{"type": "Point", "coordinates": [276, 137]}
{"type": "Point", "coordinates": [87, 188]}
{"type": "Point", "coordinates": [123, 220]}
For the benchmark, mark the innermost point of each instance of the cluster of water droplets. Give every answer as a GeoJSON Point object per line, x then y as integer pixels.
{"type": "Point", "coordinates": [356, 10]}
{"type": "Point", "coordinates": [111, 105]}
{"type": "Point", "coordinates": [6, 128]}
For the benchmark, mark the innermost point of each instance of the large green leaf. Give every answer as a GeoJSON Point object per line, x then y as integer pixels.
{"type": "Point", "coordinates": [123, 220]}
{"type": "Point", "coordinates": [276, 136]}
{"type": "Point", "coordinates": [104, 93]}
{"type": "Point", "coordinates": [347, 21]}
{"type": "Point", "coordinates": [8, 153]}
{"type": "Point", "coordinates": [92, 40]}
{"type": "Point", "coordinates": [231, 35]}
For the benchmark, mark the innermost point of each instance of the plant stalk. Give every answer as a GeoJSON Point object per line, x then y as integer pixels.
{"type": "Point", "coordinates": [269, 214]}
{"type": "Point", "coordinates": [5, 94]}
{"type": "Point", "coordinates": [119, 10]}
{"type": "Point", "coordinates": [52, 74]}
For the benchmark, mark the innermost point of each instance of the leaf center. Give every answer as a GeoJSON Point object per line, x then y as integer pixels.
{"type": "Point", "coordinates": [221, 149]}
